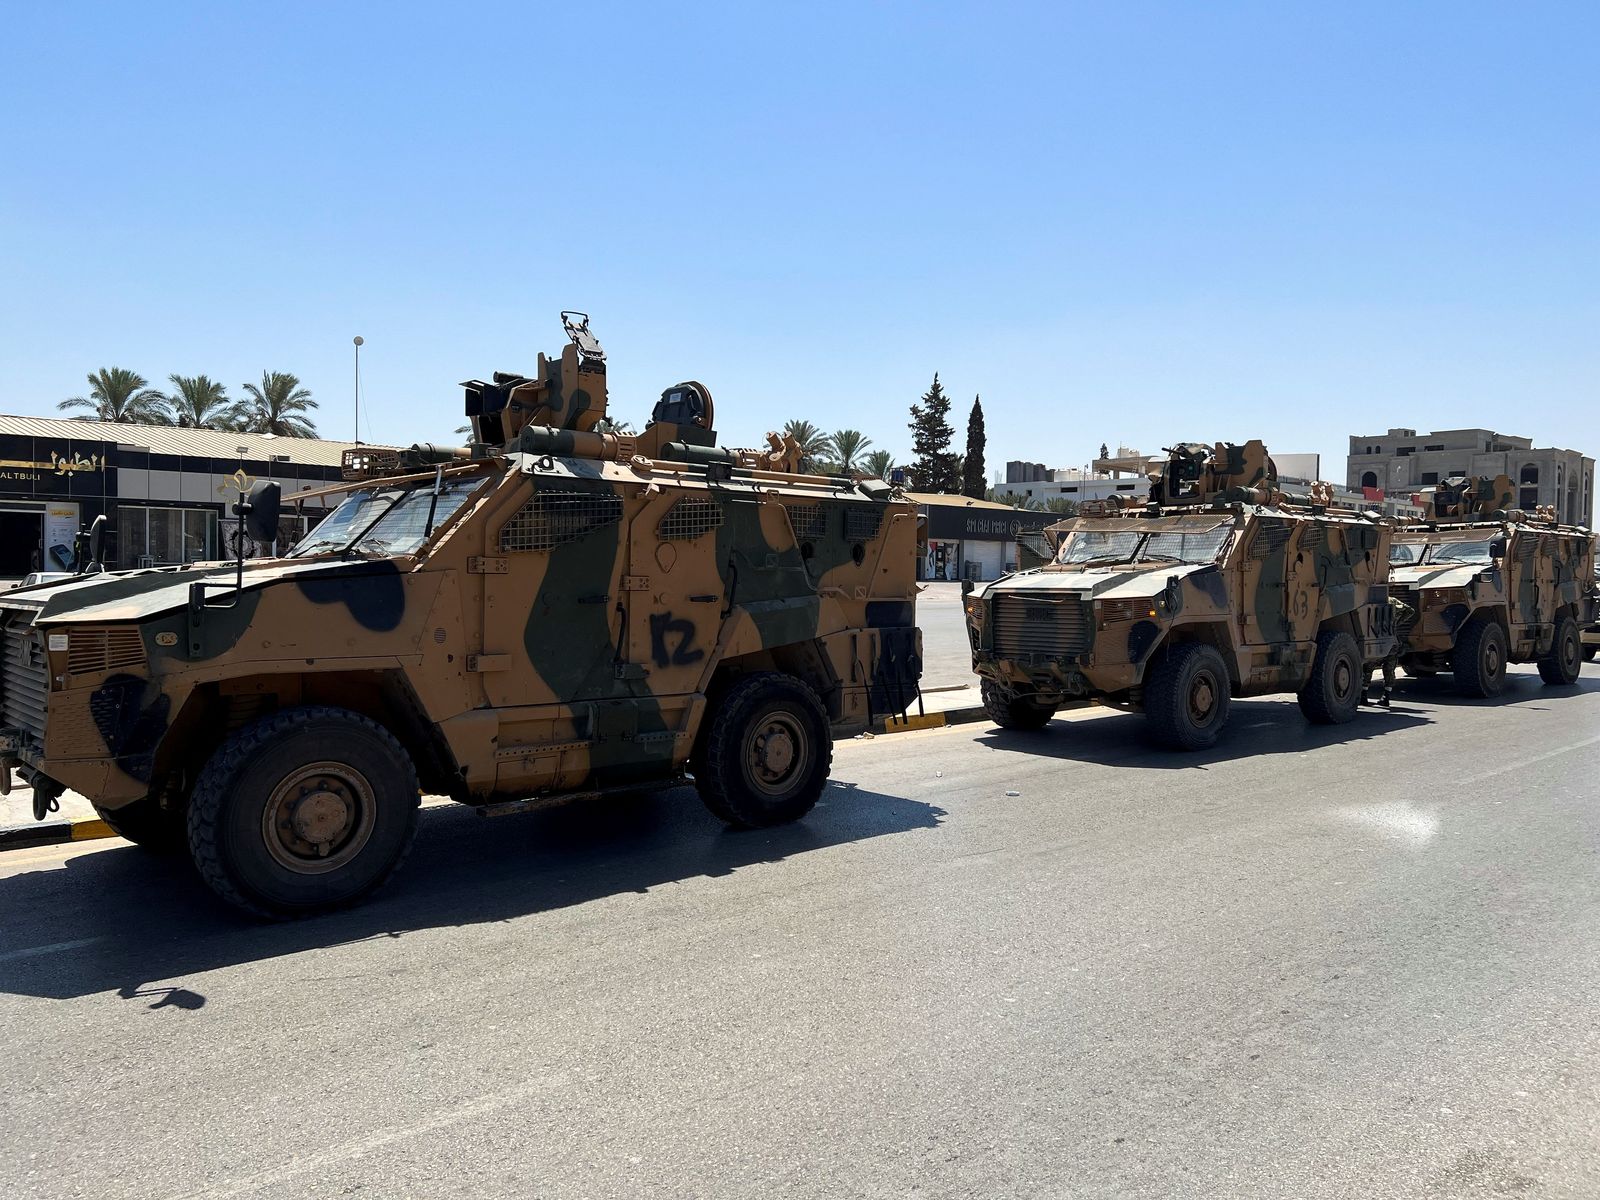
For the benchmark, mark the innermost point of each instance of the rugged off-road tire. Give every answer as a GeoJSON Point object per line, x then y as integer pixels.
{"type": "Point", "coordinates": [305, 810]}
{"type": "Point", "coordinates": [1186, 697]}
{"type": "Point", "coordinates": [766, 756]}
{"type": "Point", "coordinates": [147, 825]}
{"type": "Point", "coordinates": [1010, 711]}
{"type": "Point", "coordinates": [1565, 660]}
{"type": "Point", "coordinates": [1332, 694]}
{"type": "Point", "coordinates": [1479, 659]}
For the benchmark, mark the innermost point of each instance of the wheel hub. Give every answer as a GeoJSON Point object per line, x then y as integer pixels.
{"type": "Point", "coordinates": [321, 816]}
{"type": "Point", "coordinates": [318, 818]}
{"type": "Point", "coordinates": [1202, 698]}
{"type": "Point", "coordinates": [776, 747]}
{"type": "Point", "coordinates": [1342, 679]}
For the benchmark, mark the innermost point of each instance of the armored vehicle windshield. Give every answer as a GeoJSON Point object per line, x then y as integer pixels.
{"type": "Point", "coordinates": [1187, 540]}
{"type": "Point", "coordinates": [387, 520]}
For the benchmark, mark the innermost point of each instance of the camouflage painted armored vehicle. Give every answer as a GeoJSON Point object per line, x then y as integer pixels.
{"type": "Point", "coordinates": [1216, 588]}
{"type": "Point", "coordinates": [1483, 584]}
{"type": "Point", "coordinates": [558, 611]}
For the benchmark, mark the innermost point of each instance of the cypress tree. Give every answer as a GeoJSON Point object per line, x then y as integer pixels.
{"type": "Point", "coordinates": [972, 466]}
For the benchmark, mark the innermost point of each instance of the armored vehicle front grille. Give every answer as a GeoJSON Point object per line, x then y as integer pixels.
{"type": "Point", "coordinates": [92, 650]}
{"type": "Point", "coordinates": [24, 678]}
{"type": "Point", "coordinates": [1025, 626]}
{"type": "Point", "coordinates": [808, 520]}
{"type": "Point", "coordinates": [551, 519]}
{"type": "Point", "coordinates": [689, 518]}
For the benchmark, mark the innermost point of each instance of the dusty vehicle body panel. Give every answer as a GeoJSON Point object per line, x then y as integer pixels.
{"type": "Point", "coordinates": [562, 630]}
{"type": "Point", "coordinates": [1282, 576]}
{"type": "Point", "coordinates": [1545, 572]}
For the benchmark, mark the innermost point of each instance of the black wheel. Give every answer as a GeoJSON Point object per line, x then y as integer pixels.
{"type": "Point", "coordinates": [767, 752]}
{"type": "Point", "coordinates": [302, 811]}
{"type": "Point", "coordinates": [1565, 659]}
{"type": "Point", "coordinates": [1332, 694]}
{"type": "Point", "coordinates": [147, 825]}
{"type": "Point", "coordinates": [1186, 697]}
{"type": "Point", "coordinates": [1479, 660]}
{"type": "Point", "coordinates": [1010, 711]}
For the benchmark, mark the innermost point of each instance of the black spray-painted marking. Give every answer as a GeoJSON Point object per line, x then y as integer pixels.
{"type": "Point", "coordinates": [130, 733]}
{"type": "Point", "coordinates": [683, 652]}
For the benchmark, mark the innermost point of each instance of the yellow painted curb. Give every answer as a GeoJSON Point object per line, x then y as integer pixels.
{"type": "Point", "coordinates": [83, 831]}
{"type": "Point", "coordinates": [924, 721]}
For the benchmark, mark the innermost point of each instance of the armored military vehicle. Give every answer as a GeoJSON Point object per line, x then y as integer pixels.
{"type": "Point", "coordinates": [1484, 584]}
{"type": "Point", "coordinates": [1217, 587]}
{"type": "Point", "coordinates": [557, 611]}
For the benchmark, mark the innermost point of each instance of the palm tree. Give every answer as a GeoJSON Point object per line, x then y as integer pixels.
{"type": "Point", "coordinates": [1016, 500]}
{"type": "Point", "coordinates": [614, 425]}
{"type": "Point", "coordinates": [1063, 506]}
{"type": "Point", "coordinates": [201, 403]}
{"type": "Point", "coordinates": [279, 406]}
{"type": "Point", "coordinates": [846, 445]}
{"type": "Point", "coordinates": [813, 442]}
{"type": "Point", "coordinates": [122, 396]}
{"type": "Point", "coordinates": [879, 463]}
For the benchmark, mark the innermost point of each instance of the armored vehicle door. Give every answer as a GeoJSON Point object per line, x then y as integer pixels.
{"type": "Point", "coordinates": [1310, 568]}
{"type": "Point", "coordinates": [1529, 573]}
{"type": "Point", "coordinates": [675, 589]}
{"type": "Point", "coordinates": [1264, 616]}
{"type": "Point", "coordinates": [552, 582]}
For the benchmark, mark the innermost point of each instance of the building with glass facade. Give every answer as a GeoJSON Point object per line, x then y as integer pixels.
{"type": "Point", "coordinates": [165, 492]}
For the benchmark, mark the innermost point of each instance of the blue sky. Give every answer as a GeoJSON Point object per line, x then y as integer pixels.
{"type": "Point", "coordinates": [1118, 222]}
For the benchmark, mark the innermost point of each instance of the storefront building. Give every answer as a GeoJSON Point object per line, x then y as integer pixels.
{"type": "Point", "coordinates": [165, 492]}
{"type": "Point", "coordinates": [962, 538]}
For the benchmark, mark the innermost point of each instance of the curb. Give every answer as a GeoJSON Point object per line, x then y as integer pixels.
{"type": "Point", "coordinates": [933, 720]}
{"type": "Point", "coordinates": [53, 833]}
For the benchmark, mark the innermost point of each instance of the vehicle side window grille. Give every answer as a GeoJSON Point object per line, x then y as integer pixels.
{"type": "Point", "coordinates": [689, 518]}
{"type": "Point", "coordinates": [809, 520]}
{"type": "Point", "coordinates": [860, 524]}
{"type": "Point", "coordinates": [550, 519]}
{"type": "Point", "coordinates": [1269, 539]}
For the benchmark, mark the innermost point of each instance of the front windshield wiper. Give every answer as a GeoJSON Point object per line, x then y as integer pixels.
{"type": "Point", "coordinates": [322, 544]}
{"type": "Point", "coordinates": [1157, 556]}
{"type": "Point", "coordinates": [1113, 556]}
{"type": "Point", "coordinates": [377, 544]}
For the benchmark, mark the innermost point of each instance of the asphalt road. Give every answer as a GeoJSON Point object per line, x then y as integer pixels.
{"type": "Point", "coordinates": [1361, 962]}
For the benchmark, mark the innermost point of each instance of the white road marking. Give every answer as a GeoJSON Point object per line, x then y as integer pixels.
{"type": "Point", "coordinates": [52, 948]}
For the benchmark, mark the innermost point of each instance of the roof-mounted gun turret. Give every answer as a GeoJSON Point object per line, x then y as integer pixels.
{"type": "Point", "coordinates": [1461, 498]}
{"type": "Point", "coordinates": [1225, 473]}
{"type": "Point", "coordinates": [565, 393]}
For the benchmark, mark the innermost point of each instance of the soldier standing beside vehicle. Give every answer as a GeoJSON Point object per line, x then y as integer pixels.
{"type": "Point", "coordinates": [1400, 613]}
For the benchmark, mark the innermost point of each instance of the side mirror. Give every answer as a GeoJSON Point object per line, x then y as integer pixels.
{"type": "Point", "coordinates": [260, 508]}
{"type": "Point", "coordinates": [97, 546]}
{"type": "Point", "coordinates": [1497, 549]}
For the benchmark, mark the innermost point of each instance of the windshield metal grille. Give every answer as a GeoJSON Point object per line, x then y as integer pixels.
{"type": "Point", "coordinates": [24, 678]}
{"type": "Point", "coordinates": [1026, 628]}
{"type": "Point", "coordinates": [551, 519]}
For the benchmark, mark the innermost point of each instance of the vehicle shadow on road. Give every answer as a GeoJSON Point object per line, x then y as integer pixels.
{"type": "Point", "coordinates": [1254, 727]}
{"type": "Point", "coordinates": [118, 920]}
{"type": "Point", "coordinates": [1524, 687]}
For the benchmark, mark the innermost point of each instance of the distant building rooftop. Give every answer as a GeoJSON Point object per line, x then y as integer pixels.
{"type": "Point", "coordinates": [170, 439]}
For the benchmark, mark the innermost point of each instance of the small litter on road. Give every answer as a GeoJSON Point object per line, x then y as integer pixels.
{"type": "Point", "coordinates": [1013, 793]}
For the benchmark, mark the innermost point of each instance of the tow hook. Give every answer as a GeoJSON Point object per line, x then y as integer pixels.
{"type": "Point", "coordinates": [5, 778]}
{"type": "Point", "coordinates": [46, 795]}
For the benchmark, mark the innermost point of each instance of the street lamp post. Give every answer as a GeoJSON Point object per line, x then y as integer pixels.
{"type": "Point", "coordinates": [360, 341]}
